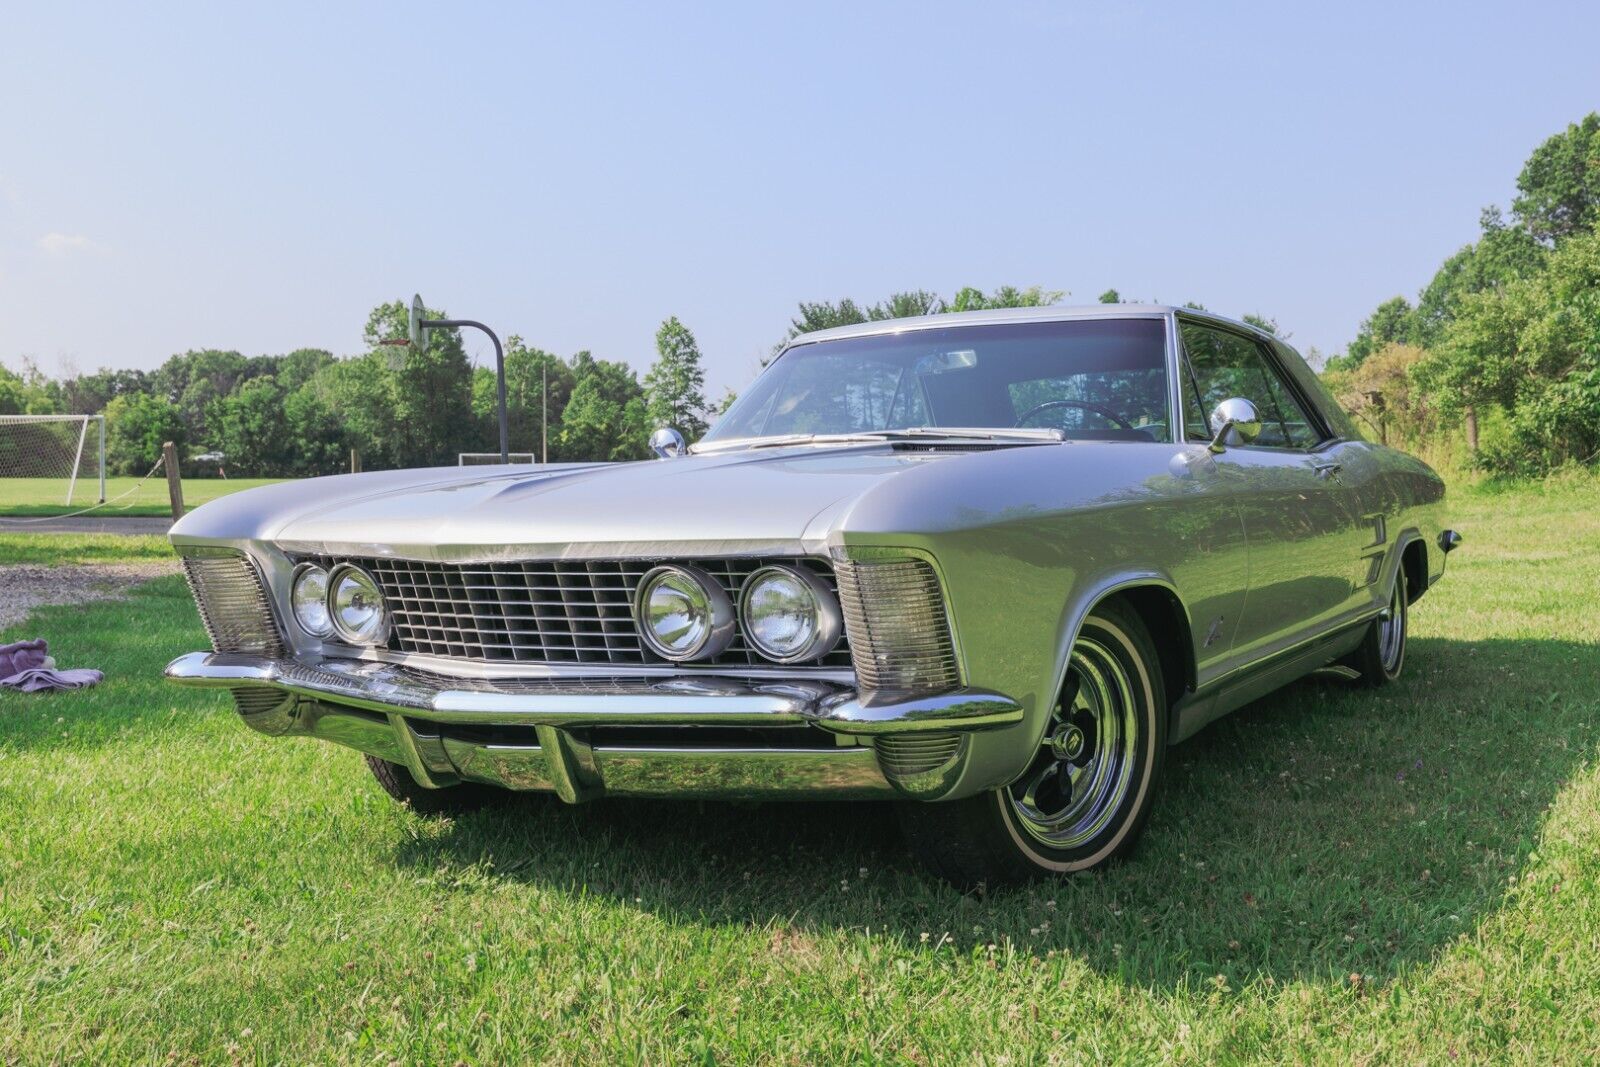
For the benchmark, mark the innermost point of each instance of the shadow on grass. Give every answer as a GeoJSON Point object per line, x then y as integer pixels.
{"type": "Point", "coordinates": [1320, 832]}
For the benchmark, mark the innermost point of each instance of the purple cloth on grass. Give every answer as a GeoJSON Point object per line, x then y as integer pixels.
{"type": "Point", "coordinates": [26, 665]}
{"type": "Point", "coordinates": [21, 655]}
{"type": "Point", "coordinates": [36, 679]}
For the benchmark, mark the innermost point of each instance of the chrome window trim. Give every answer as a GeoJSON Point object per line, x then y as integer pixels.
{"type": "Point", "coordinates": [1264, 343]}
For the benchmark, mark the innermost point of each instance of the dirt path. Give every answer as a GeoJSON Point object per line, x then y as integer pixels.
{"type": "Point", "coordinates": [90, 524]}
{"type": "Point", "coordinates": [25, 587]}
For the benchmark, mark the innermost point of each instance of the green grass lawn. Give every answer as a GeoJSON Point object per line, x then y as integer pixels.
{"type": "Point", "coordinates": [48, 496]}
{"type": "Point", "coordinates": [80, 548]}
{"type": "Point", "coordinates": [1331, 876]}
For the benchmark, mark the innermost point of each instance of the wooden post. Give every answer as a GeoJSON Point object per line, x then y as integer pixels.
{"type": "Point", "coordinates": [169, 459]}
{"type": "Point", "coordinates": [355, 461]}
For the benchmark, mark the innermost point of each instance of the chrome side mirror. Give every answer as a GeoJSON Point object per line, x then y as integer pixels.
{"type": "Point", "coordinates": [666, 443]}
{"type": "Point", "coordinates": [1234, 422]}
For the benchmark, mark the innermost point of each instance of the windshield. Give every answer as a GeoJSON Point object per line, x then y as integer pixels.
{"type": "Point", "coordinates": [1102, 379]}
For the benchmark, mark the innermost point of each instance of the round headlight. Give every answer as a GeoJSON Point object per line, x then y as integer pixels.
{"type": "Point", "coordinates": [308, 596]}
{"type": "Point", "coordinates": [683, 613]}
{"type": "Point", "coordinates": [789, 615]}
{"type": "Point", "coordinates": [356, 605]}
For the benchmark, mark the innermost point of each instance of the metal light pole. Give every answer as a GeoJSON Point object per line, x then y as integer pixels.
{"type": "Point", "coordinates": [419, 338]}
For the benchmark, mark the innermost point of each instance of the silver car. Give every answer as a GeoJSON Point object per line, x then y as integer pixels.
{"type": "Point", "coordinates": [987, 565]}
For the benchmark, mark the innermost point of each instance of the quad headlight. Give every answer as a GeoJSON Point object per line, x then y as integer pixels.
{"type": "Point", "coordinates": [789, 615]}
{"type": "Point", "coordinates": [683, 613]}
{"type": "Point", "coordinates": [356, 607]}
{"type": "Point", "coordinates": [308, 597]}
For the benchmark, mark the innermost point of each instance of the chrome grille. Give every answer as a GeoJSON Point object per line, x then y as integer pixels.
{"type": "Point", "coordinates": [550, 611]}
{"type": "Point", "coordinates": [894, 614]}
{"type": "Point", "coordinates": [233, 605]}
{"type": "Point", "coordinates": [902, 756]}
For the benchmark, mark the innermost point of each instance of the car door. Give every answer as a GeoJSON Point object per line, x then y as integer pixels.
{"type": "Point", "coordinates": [1301, 518]}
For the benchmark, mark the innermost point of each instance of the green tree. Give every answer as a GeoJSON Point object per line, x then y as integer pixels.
{"type": "Point", "coordinates": [606, 418]}
{"type": "Point", "coordinates": [825, 315]}
{"type": "Point", "coordinates": [526, 372]}
{"type": "Point", "coordinates": [299, 367]}
{"type": "Point", "coordinates": [596, 427]}
{"type": "Point", "coordinates": [136, 426]}
{"type": "Point", "coordinates": [249, 426]}
{"type": "Point", "coordinates": [1264, 324]}
{"type": "Point", "coordinates": [1504, 253]}
{"type": "Point", "coordinates": [1558, 191]}
{"type": "Point", "coordinates": [318, 439]}
{"type": "Point", "coordinates": [909, 304]}
{"type": "Point", "coordinates": [1531, 349]}
{"type": "Point", "coordinates": [13, 401]}
{"type": "Point", "coordinates": [431, 390]}
{"type": "Point", "coordinates": [1393, 322]}
{"type": "Point", "coordinates": [1110, 296]}
{"type": "Point", "coordinates": [30, 391]}
{"type": "Point", "coordinates": [1007, 296]}
{"type": "Point", "coordinates": [675, 386]}
{"type": "Point", "coordinates": [361, 391]}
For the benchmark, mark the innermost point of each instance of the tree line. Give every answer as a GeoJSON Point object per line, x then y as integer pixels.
{"type": "Point", "coordinates": [1500, 353]}
{"type": "Point", "coordinates": [301, 414]}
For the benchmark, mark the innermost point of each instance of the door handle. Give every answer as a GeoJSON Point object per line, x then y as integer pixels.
{"type": "Point", "coordinates": [1327, 470]}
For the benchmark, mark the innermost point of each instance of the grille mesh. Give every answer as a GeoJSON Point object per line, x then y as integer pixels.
{"type": "Point", "coordinates": [560, 611]}
{"type": "Point", "coordinates": [904, 756]}
{"type": "Point", "coordinates": [894, 614]}
{"type": "Point", "coordinates": [233, 606]}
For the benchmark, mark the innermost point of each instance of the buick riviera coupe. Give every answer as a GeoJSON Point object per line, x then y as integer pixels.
{"type": "Point", "coordinates": [989, 566]}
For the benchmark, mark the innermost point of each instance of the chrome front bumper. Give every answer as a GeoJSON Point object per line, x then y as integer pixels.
{"type": "Point", "coordinates": [640, 736]}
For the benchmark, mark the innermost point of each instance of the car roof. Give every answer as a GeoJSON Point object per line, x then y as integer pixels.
{"type": "Point", "coordinates": [1051, 313]}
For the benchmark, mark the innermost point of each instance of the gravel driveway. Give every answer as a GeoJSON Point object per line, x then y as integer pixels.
{"type": "Point", "coordinates": [25, 587]}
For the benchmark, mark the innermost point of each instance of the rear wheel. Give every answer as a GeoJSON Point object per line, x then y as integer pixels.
{"type": "Point", "coordinates": [1382, 654]}
{"type": "Point", "coordinates": [1084, 798]}
{"type": "Point", "coordinates": [398, 782]}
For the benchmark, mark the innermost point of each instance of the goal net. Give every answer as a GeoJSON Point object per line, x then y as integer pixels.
{"type": "Point", "coordinates": [473, 459]}
{"type": "Point", "coordinates": [49, 458]}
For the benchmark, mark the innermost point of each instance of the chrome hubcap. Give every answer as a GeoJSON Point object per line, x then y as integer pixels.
{"type": "Point", "coordinates": [1079, 779]}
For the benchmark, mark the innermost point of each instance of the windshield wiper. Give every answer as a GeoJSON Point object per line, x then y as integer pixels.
{"type": "Point", "coordinates": [941, 433]}
{"type": "Point", "coordinates": [982, 433]}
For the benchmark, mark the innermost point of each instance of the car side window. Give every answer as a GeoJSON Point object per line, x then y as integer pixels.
{"type": "Point", "coordinates": [1226, 364]}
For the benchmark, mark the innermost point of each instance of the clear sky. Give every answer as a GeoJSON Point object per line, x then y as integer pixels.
{"type": "Point", "coordinates": [258, 176]}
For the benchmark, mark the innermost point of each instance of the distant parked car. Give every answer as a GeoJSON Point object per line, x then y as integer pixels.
{"type": "Point", "coordinates": [989, 565]}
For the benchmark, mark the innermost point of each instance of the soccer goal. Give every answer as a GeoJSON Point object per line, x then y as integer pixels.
{"type": "Point", "coordinates": [474, 459]}
{"type": "Point", "coordinates": [37, 450]}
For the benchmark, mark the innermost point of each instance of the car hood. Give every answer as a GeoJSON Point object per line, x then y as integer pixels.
{"type": "Point", "coordinates": [757, 500]}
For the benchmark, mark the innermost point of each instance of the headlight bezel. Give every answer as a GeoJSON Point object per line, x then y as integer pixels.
{"type": "Point", "coordinates": [721, 621]}
{"type": "Point", "coordinates": [380, 636]}
{"type": "Point", "coordinates": [301, 572]}
{"type": "Point", "coordinates": [828, 619]}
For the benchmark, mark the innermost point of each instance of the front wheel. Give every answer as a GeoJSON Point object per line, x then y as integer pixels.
{"type": "Point", "coordinates": [1084, 798]}
{"type": "Point", "coordinates": [463, 799]}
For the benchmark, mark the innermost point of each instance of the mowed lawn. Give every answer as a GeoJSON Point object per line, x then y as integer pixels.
{"type": "Point", "coordinates": [48, 496]}
{"type": "Point", "coordinates": [1331, 876]}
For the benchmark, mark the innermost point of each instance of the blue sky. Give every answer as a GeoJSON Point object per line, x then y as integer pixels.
{"type": "Point", "coordinates": [258, 177]}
